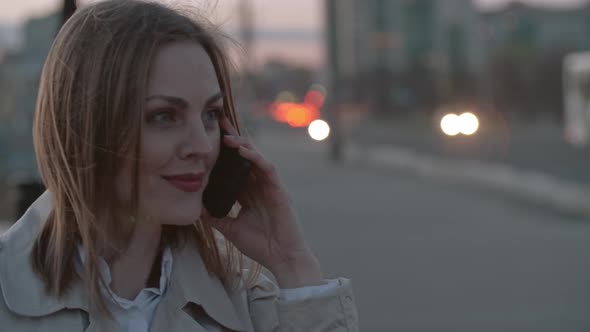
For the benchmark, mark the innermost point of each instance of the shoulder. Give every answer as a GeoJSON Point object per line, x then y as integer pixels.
{"type": "Point", "coordinates": [11, 300]}
{"type": "Point", "coordinates": [11, 321]}
{"type": "Point", "coordinates": [22, 233]}
{"type": "Point", "coordinates": [64, 320]}
{"type": "Point", "coordinates": [19, 284]}
{"type": "Point", "coordinates": [24, 305]}
{"type": "Point", "coordinates": [15, 322]}
{"type": "Point", "coordinates": [5, 314]}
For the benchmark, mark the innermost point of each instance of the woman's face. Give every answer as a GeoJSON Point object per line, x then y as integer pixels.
{"type": "Point", "coordinates": [181, 135]}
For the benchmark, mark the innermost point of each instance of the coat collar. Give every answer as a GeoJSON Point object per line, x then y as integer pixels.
{"type": "Point", "coordinates": [25, 295]}
{"type": "Point", "coordinates": [192, 283]}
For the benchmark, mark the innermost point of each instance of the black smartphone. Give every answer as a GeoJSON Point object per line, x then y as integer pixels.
{"type": "Point", "coordinates": [226, 181]}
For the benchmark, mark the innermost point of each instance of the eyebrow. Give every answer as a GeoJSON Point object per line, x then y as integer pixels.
{"type": "Point", "coordinates": [183, 103]}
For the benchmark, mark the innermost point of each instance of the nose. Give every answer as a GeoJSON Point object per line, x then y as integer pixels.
{"type": "Point", "coordinates": [196, 143]}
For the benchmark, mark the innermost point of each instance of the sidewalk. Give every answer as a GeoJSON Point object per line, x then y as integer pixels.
{"type": "Point", "coordinates": [4, 225]}
{"type": "Point", "coordinates": [536, 146]}
{"type": "Point", "coordinates": [532, 163]}
{"type": "Point", "coordinates": [403, 150]}
{"type": "Point", "coordinates": [529, 185]}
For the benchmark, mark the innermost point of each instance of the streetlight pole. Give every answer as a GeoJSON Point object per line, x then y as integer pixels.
{"type": "Point", "coordinates": [30, 190]}
{"type": "Point", "coordinates": [69, 7]}
{"type": "Point", "coordinates": [333, 102]}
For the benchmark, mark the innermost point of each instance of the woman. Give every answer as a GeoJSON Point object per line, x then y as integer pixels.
{"type": "Point", "coordinates": [132, 101]}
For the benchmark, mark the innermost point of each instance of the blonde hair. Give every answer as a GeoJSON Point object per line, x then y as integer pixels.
{"type": "Point", "coordinates": [88, 118]}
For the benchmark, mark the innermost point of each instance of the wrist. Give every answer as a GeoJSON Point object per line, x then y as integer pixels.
{"type": "Point", "coordinates": [298, 272]}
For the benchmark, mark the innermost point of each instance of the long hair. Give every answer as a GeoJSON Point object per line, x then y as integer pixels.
{"type": "Point", "coordinates": [88, 118]}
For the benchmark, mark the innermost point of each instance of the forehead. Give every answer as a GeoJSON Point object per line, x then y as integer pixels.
{"type": "Point", "coordinates": [183, 69]}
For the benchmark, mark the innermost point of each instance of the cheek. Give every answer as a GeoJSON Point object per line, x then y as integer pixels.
{"type": "Point", "coordinates": [124, 182]}
{"type": "Point", "coordinates": [156, 151]}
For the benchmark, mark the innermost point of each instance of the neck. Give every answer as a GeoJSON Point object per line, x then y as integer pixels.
{"type": "Point", "coordinates": [130, 271]}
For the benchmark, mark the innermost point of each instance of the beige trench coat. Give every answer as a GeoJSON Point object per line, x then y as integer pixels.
{"type": "Point", "coordinates": [193, 296]}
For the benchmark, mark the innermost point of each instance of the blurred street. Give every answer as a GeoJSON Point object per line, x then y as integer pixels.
{"type": "Point", "coordinates": [478, 222]}
{"type": "Point", "coordinates": [429, 257]}
{"type": "Point", "coordinates": [535, 146]}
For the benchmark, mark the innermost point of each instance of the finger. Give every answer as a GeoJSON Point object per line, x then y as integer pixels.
{"type": "Point", "coordinates": [245, 199]}
{"type": "Point", "coordinates": [229, 128]}
{"type": "Point", "coordinates": [268, 169]}
{"type": "Point", "coordinates": [237, 141]}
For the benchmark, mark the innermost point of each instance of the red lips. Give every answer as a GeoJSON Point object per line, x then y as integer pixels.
{"type": "Point", "coordinates": [189, 182]}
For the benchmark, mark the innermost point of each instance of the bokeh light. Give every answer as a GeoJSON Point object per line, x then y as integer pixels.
{"type": "Point", "coordinates": [286, 97]}
{"type": "Point", "coordinates": [319, 130]}
{"type": "Point", "coordinates": [450, 125]}
{"type": "Point", "coordinates": [314, 98]}
{"type": "Point", "coordinates": [298, 116]}
{"type": "Point", "coordinates": [294, 114]}
{"type": "Point", "coordinates": [318, 87]}
{"type": "Point", "coordinates": [469, 124]}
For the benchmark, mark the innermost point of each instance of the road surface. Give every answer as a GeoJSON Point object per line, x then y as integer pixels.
{"type": "Point", "coordinates": [427, 256]}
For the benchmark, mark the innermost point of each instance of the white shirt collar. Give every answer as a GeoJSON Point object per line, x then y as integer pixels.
{"type": "Point", "coordinates": [146, 295]}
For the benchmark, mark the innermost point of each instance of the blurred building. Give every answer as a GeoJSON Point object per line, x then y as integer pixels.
{"type": "Point", "coordinates": [411, 55]}
{"type": "Point", "coordinates": [537, 28]}
{"type": "Point", "coordinates": [401, 54]}
{"type": "Point", "coordinates": [526, 47]}
{"type": "Point", "coordinates": [19, 74]}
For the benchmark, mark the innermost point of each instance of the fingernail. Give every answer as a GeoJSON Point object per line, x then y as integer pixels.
{"type": "Point", "coordinates": [232, 138]}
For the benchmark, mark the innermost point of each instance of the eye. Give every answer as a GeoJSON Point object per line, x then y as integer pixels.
{"type": "Point", "coordinates": [162, 116]}
{"type": "Point", "coordinates": [212, 115]}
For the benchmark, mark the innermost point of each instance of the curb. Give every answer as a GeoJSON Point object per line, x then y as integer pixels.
{"type": "Point", "coordinates": [535, 187]}
{"type": "Point", "coordinates": [4, 226]}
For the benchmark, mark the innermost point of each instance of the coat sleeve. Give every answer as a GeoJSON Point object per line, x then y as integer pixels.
{"type": "Point", "coordinates": [332, 310]}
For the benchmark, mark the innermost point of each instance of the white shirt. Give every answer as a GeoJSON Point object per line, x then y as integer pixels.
{"type": "Point", "coordinates": [136, 315]}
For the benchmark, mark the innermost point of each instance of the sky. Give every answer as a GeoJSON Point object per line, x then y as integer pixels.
{"type": "Point", "coordinates": [300, 23]}
{"type": "Point", "coordinates": [300, 29]}
{"type": "Point", "coordinates": [276, 12]}
{"type": "Point", "coordinates": [545, 3]}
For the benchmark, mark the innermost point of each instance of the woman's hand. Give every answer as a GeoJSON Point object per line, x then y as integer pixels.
{"type": "Point", "coordinates": [272, 236]}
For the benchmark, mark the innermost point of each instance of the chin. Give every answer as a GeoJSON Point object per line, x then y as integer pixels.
{"type": "Point", "coordinates": [170, 207]}
{"type": "Point", "coordinates": [179, 222]}
{"type": "Point", "coordinates": [173, 212]}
